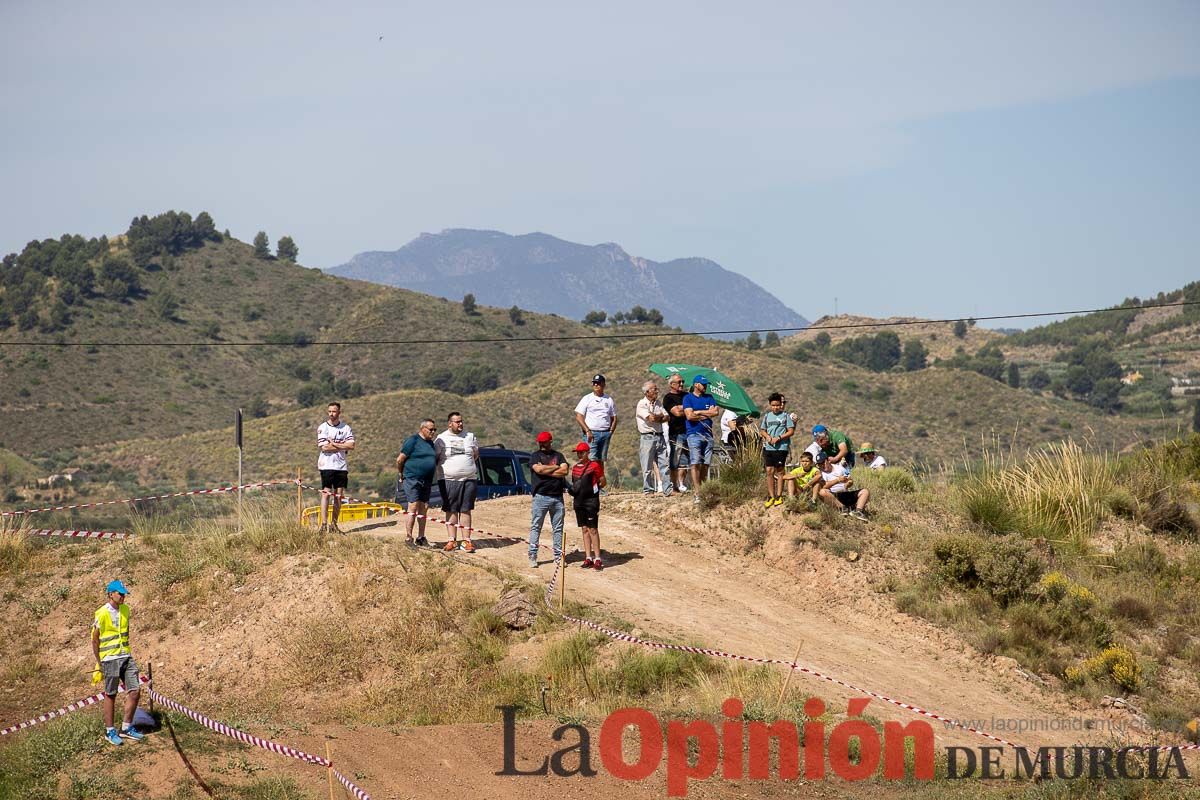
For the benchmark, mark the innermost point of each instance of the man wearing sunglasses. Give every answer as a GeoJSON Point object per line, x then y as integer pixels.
{"type": "Point", "coordinates": [110, 646]}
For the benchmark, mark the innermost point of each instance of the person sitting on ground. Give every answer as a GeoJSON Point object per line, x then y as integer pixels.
{"type": "Point", "coordinates": [110, 646]}
{"type": "Point", "coordinates": [417, 464]}
{"type": "Point", "coordinates": [835, 444]}
{"type": "Point", "coordinates": [587, 479]}
{"type": "Point", "coordinates": [804, 480]}
{"type": "Point", "coordinates": [775, 429]}
{"type": "Point", "coordinates": [836, 489]}
{"type": "Point", "coordinates": [872, 459]}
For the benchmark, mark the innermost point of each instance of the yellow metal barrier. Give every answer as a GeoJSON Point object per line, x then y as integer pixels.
{"type": "Point", "coordinates": [352, 512]}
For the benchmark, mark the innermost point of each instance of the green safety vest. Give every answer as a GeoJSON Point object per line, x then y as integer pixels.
{"type": "Point", "coordinates": [113, 641]}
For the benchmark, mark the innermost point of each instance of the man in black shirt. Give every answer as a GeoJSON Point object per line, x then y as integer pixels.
{"type": "Point", "coordinates": [676, 433]}
{"type": "Point", "coordinates": [549, 470]}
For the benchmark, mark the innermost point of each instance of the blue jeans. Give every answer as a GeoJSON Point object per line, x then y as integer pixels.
{"type": "Point", "coordinates": [543, 504]}
{"type": "Point", "coordinates": [654, 454]}
{"type": "Point", "coordinates": [599, 449]}
{"type": "Point", "coordinates": [700, 448]}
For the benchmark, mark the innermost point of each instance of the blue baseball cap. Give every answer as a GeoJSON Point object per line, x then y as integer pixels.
{"type": "Point", "coordinates": [116, 586]}
{"type": "Point", "coordinates": [817, 429]}
{"type": "Point", "coordinates": [700, 379]}
{"type": "Point", "coordinates": [821, 457]}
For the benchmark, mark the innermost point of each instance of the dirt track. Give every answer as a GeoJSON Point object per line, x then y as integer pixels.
{"type": "Point", "coordinates": [678, 583]}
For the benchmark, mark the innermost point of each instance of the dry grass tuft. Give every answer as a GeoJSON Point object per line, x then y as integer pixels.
{"type": "Point", "coordinates": [16, 551]}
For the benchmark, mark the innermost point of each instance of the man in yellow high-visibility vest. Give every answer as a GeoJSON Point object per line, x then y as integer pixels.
{"type": "Point", "coordinates": [110, 646]}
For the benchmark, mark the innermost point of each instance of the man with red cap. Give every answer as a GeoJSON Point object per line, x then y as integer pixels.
{"type": "Point", "coordinates": [549, 469]}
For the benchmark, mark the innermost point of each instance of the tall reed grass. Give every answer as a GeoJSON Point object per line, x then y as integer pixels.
{"type": "Point", "coordinates": [1061, 493]}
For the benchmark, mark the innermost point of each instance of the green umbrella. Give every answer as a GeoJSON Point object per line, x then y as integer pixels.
{"type": "Point", "coordinates": [727, 392]}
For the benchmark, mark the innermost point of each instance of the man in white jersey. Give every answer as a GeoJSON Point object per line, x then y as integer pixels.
{"type": "Point", "coordinates": [596, 414]}
{"type": "Point", "coordinates": [457, 454]}
{"type": "Point", "coordinates": [334, 440]}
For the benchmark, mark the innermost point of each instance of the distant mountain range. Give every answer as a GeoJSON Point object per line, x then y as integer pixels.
{"type": "Point", "coordinates": [541, 273]}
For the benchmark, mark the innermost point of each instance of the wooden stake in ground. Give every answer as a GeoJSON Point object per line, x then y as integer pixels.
{"type": "Point", "coordinates": [329, 769]}
{"type": "Point", "coordinates": [788, 679]}
{"type": "Point", "coordinates": [562, 574]}
{"type": "Point", "coordinates": [299, 498]}
{"type": "Point", "coordinates": [150, 675]}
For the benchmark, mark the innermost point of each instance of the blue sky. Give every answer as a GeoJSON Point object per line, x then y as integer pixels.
{"type": "Point", "coordinates": [935, 159]}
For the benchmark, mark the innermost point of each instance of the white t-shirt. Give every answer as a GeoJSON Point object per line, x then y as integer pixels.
{"type": "Point", "coordinates": [838, 474]}
{"type": "Point", "coordinates": [644, 409]}
{"type": "Point", "coordinates": [598, 411]}
{"type": "Point", "coordinates": [456, 455]}
{"type": "Point", "coordinates": [727, 418]}
{"type": "Point", "coordinates": [339, 434]}
{"type": "Point", "coordinates": [878, 463]}
{"type": "Point", "coordinates": [812, 449]}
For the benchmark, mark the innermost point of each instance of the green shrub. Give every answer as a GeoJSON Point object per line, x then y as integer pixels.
{"type": "Point", "coordinates": [1008, 569]}
{"type": "Point", "coordinates": [1142, 557]}
{"type": "Point", "coordinates": [954, 559]}
{"type": "Point", "coordinates": [896, 479]}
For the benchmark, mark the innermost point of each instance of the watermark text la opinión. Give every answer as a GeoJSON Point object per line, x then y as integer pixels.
{"type": "Point", "coordinates": [853, 750]}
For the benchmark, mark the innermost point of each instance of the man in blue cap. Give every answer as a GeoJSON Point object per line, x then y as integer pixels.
{"type": "Point", "coordinates": [110, 646]}
{"type": "Point", "coordinates": [699, 409]}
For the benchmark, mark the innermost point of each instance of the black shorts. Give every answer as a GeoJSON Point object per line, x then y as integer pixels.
{"type": "Point", "coordinates": [587, 513]}
{"type": "Point", "coordinates": [413, 490]}
{"type": "Point", "coordinates": [775, 458]}
{"type": "Point", "coordinates": [334, 479]}
{"type": "Point", "coordinates": [849, 498]}
{"type": "Point", "coordinates": [457, 495]}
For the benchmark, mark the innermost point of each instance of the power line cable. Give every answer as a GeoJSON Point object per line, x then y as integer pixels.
{"type": "Point", "coordinates": [597, 337]}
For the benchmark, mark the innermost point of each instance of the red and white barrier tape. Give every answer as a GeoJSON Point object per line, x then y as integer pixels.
{"type": "Point", "coordinates": [49, 715]}
{"type": "Point", "coordinates": [219, 727]}
{"type": "Point", "coordinates": [61, 712]}
{"type": "Point", "coordinates": [704, 651]}
{"type": "Point", "coordinates": [266, 744]}
{"type": "Point", "coordinates": [77, 534]}
{"type": "Point", "coordinates": [220, 490]}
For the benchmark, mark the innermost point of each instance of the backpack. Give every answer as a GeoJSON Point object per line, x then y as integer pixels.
{"type": "Point", "coordinates": [581, 487]}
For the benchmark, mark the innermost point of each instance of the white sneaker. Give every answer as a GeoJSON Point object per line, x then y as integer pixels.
{"type": "Point", "coordinates": [681, 488]}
